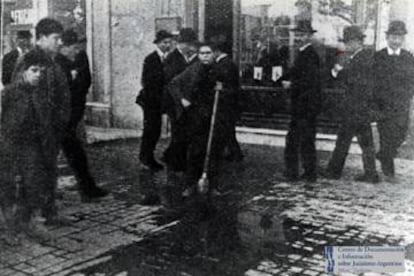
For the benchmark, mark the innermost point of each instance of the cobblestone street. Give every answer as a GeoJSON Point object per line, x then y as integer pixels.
{"type": "Point", "coordinates": [264, 227]}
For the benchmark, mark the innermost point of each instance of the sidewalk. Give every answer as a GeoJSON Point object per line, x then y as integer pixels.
{"type": "Point", "coordinates": [302, 221]}
{"type": "Point", "coordinates": [244, 135]}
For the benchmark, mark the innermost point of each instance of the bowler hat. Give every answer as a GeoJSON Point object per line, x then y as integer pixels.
{"type": "Point", "coordinates": [69, 37]}
{"type": "Point", "coordinates": [304, 26]}
{"type": "Point", "coordinates": [187, 35]}
{"type": "Point", "coordinates": [352, 33]}
{"type": "Point", "coordinates": [24, 35]}
{"type": "Point", "coordinates": [161, 35]}
{"type": "Point", "coordinates": [396, 27]}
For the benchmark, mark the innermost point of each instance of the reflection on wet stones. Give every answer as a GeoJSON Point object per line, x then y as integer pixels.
{"type": "Point", "coordinates": [261, 229]}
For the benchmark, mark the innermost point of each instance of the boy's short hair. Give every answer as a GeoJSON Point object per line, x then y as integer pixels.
{"type": "Point", "coordinates": [47, 26]}
{"type": "Point", "coordinates": [205, 44]}
{"type": "Point", "coordinates": [35, 58]}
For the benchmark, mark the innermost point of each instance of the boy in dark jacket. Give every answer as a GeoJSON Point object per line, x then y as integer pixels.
{"type": "Point", "coordinates": [25, 151]}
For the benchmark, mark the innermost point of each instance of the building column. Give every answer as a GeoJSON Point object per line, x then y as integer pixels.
{"type": "Point", "coordinates": [98, 13]}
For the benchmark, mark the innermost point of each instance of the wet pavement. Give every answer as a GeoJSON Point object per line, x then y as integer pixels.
{"type": "Point", "coordinates": [263, 226]}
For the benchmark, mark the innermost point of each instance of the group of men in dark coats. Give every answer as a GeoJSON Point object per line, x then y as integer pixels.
{"type": "Point", "coordinates": [184, 90]}
{"type": "Point", "coordinates": [378, 88]}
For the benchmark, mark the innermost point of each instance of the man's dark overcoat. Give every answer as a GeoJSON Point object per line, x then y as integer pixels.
{"type": "Point", "coordinates": [306, 84]}
{"type": "Point", "coordinates": [175, 154]}
{"type": "Point", "coordinates": [305, 106]}
{"type": "Point", "coordinates": [358, 111]}
{"type": "Point", "coordinates": [357, 78]}
{"type": "Point", "coordinates": [153, 80]}
{"type": "Point", "coordinates": [394, 89]}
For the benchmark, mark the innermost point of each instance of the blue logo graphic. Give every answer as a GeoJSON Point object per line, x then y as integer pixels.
{"type": "Point", "coordinates": [330, 260]}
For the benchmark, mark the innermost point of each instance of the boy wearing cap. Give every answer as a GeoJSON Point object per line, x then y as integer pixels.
{"type": "Point", "coordinates": [394, 88]}
{"type": "Point", "coordinates": [79, 80]}
{"type": "Point", "coordinates": [23, 45]}
{"type": "Point", "coordinates": [153, 81]}
{"type": "Point", "coordinates": [27, 146]}
{"type": "Point", "coordinates": [356, 75]}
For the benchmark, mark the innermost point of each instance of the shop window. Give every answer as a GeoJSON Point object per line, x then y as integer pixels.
{"type": "Point", "coordinates": [267, 47]}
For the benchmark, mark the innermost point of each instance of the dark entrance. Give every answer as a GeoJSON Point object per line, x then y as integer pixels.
{"type": "Point", "coordinates": [219, 21]}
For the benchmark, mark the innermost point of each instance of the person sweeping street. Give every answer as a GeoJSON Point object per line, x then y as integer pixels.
{"type": "Point", "coordinates": [194, 90]}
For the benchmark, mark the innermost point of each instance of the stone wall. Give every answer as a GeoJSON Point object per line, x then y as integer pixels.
{"type": "Point", "coordinates": [132, 33]}
{"type": "Point", "coordinates": [121, 32]}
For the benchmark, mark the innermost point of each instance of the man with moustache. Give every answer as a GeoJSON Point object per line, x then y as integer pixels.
{"type": "Point", "coordinates": [394, 89]}
{"type": "Point", "coordinates": [153, 83]}
{"type": "Point", "coordinates": [358, 110]}
{"type": "Point", "coordinates": [175, 64]}
{"type": "Point", "coordinates": [304, 82]}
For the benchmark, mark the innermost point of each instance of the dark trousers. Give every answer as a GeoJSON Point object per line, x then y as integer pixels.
{"type": "Point", "coordinates": [151, 133]}
{"type": "Point", "coordinates": [37, 183]}
{"type": "Point", "coordinates": [346, 132]}
{"type": "Point", "coordinates": [78, 161]}
{"type": "Point", "coordinates": [300, 140]}
{"type": "Point", "coordinates": [196, 153]}
{"type": "Point", "coordinates": [232, 144]}
{"type": "Point", "coordinates": [176, 153]}
{"type": "Point", "coordinates": [392, 133]}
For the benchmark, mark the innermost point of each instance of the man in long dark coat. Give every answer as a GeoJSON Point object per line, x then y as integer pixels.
{"type": "Point", "coordinates": [358, 110]}
{"type": "Point", "coordinates": [228, 74]}
{"type": "Point", "coordinates": [153, 82]}
{"type": "Point", "coordinates": [176, 63]}
{"type": "Point", "coordinates": [394, 89]}
{"type": "Point", "coordinates": [76, 66]}
{"type": "Point", "coordinates": [305, 84]}
{"type": "Point", "coordinates": [23, 45]}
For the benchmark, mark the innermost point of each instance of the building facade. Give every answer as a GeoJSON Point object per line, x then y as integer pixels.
{"type": "Point", "coordinates": [120, 35]}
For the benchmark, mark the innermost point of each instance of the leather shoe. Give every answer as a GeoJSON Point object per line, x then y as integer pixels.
{"type": "Point", "coordinates": [367, 178]}
{"type": "Point", "coordinates": [330, 175]}
{"type": "Point", "coordinates": [152, 165]}
{"type": "Point", "coordinates": [311, 178]}
{"type": "Point", "coordinates": [291, 176]}
{"type": "Point", "coordinates": [93, 194]}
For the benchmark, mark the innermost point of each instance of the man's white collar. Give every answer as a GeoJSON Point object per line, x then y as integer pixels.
{"type": "Point", "coordinates": [303, 48]}
{"type": "Point", "coordinates": [392, 52]}
{"type": "Point", "coordinates": [19, 50]}
{"type": "Point", "coordinates": [220, 57]}
{"type": "Point", "coordinates": [356, 52]}
{"type": "Point", "coordinates": [161, 54]}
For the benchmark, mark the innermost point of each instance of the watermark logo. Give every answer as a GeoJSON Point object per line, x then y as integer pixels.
{"type": "Point", "coordinates": [359, 259]}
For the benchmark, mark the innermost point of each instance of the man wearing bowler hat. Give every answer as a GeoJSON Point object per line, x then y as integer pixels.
{"type": "Point", "coordinates": [23, 45]}
{"type": "Point", "coordinates": [305, 88]}
{"type": "Point", "coordinates": [394, 87]}
{"type": "Point", "coordinates": [153, 82]}
{"type": "Point", "coordinates": [355, 72]}
{"type": "Point", "coordinates": [176, 63]}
